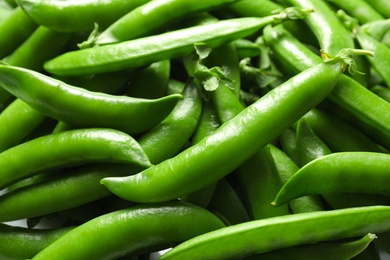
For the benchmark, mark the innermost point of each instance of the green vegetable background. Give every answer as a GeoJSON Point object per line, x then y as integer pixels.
{"type": "Point", "coordinates": [194, 129]}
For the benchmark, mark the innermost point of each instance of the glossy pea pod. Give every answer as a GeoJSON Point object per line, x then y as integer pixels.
{"type": "Point", "coordinates": [62, 102]}
{"type": "Point", "coordinates": [265, 235]}
{"type": "Point", "coordinates": [234, 142]}
{"type": "Point", "coordinates": [118, 233]}
{"type": "Point", "coordinates": [67, 149]}
{"type": "Point", "coordinates": [153, 15]}
{"type": "Point", "coordinates": [74, 187]}
{"type": "Point", "coordinates": [77, 16]}
{"type": "Point", "coordinates": [321, 251]}
{"type": "Point", "coordinates": [382, 6]}
{"type": "Point", "coordinates": [369, 175]}
{"type": "Point", "coordinates": [5, 11]}
{"type": "Point", "coordinates": [361, 105]}
{"type": "Point", "coordinates": [359, 9]}
{"type": "Point", "coordinates": [147, 50]}
{"type": "Point", "coordinates": [377, 29]}
{"type": "Point", "coordinates": [286, 168]}
{"type": "Point", "coordinates": [18, 243]}
{"type": "Point", "coordinates": [179, 126]}
{"type": "Point", "coordinates": [288, 143]}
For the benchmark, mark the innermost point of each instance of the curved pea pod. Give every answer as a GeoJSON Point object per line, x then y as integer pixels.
{"type": "Point", "coordinates": [321, 251]}
{"type": "Point", "coordinates": [376, 29]}
{"type": "Point", "coordinates": [134, 230]}
{"type": "Point", "coordinates": [178, 125]}
{"type": "Point", "coordinates": [359, 9]}
{"type": "Point", "coordinates": [76, 16]}
{"type": "Point", "coordinates": [233, 143]}
{"type": "Point", "coordinates": [150, 49]}
{"type": "Point", "coordinates": [24, 243]}
{"type": "Point", "coordinates": [67, 149]}
{"type": "Point", "coordinates": [82, 108]}
{"type": "Point", "coordinates": [260, 236]}
{"type": "Point", "coordinates": [333, 174]}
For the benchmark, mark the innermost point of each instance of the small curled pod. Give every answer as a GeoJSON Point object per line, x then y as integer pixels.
{"type": "Point", "coordinates": [265, 235]}
{"type": "Point", "coordinates": [62, 101]}
{"type": "Point", "coordinates": [138, 229]}
{"type": "Point", "coordinates": [333, 174]}
{"type": "Point", "coordinates": [67, 149]}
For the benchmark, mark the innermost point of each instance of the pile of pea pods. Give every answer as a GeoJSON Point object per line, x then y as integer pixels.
{"type": "Point", "coordinates": [179, 129]}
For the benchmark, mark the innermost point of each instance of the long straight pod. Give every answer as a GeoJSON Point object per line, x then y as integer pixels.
{"type": "Point", "coordinates": [333, 174]}
{"type": "Point", "coordinates": [147, 50]}
{"type": "Point", "coordinates": [285, 231]}
{"type": "Point", "coordinates": [234, 142]}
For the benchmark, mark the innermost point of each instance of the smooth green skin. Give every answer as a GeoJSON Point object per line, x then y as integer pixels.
{"type": "Point", "coordinates": [147, 50]}
{"type": "Point", "coordinates": [382, 6]}
{"type": "Point", "coordinates": [260, 182]}
{"type": "Point", "coordinates": [333, 174]}
{"type": "Point", "coordinates": [14, 31]}
{"type": "Point", "coordinates": [359, 9]}
{"type": "Point", "coordinates": [67, 149]}
{"type": "Point", "coordinates": [288, 144]}
{"type": "Point", "coordinates": [77, 16]}
{"type": "Point", "coordinates": [227, 203]}
{"type": "Point", "coordinates": [42, 45]}
{"type": "Point", "coordinates": [337, 134]}
{"type": "Point", "coordinates": [235, 141]}
{"type": "Point", "coordinates": [376, 29]}
{"type": "Point", "coordinates": [349, 95]}
{"type": "Point", "coordinates": [16, 122]}
{"type": "Point", "coordinates": [72, 188]}
{"type": "Point", "coordinates": [287, 168]}
{"type": "Point", "coordinates": [152, 16]}
{"type": "Point", "coordinates": [167, 138]}
{"type": "Point", "coordinates": [265, 235]}
{"type": "Point", "coordinates": [246, 48]}
{"type": "Point", "coordinates": [17, 243]}
{"type": "Point", "coordinates": [152, 82]}
{"type": "Point", "coordinates": [61, 101]}
{"type": "Point", "coordinates": [382, 55]}
{"type": "Point", "coordinates": [226, 103]}
{"type": "Point", "coordinates": [381, 91]}
{"type": "Point", "coordinates": [320, 251]}
{"type": "Point", "coordinates": [5, 11]}
{"type": "Point", "coordinates": [132, 230]}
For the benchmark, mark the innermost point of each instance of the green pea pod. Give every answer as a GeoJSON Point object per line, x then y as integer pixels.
{"type": "Point", "coordinates": [42, 45]}
{"type": "Point", "coordinates": [381, 91]}
{"type": "Point", "coordinates": [74, 187]}
{"type": "Point", "coordinates": [288, 144]}
{"type": "Point", "coordinates": [227, 204]}
{"type": "Point", "coordinates": [234, 142]}
{"type": "Point", "coordinates": [320, 251]}
{"type": "Point", "coordinates": [376, 29]}
{"type": "Point", "coordinates": [246, 48]}
{"type": "Point", "coordinates": [5, 11]}
{"type": "Point", "coordinates": [286, 169]}
{"type": "Point", "coordinates": [14, 31]}
{"type": "Point", "coordinates": [16, 122]}
{"type": "Point", "coordinates": [152, 82]}
{"type": "Point", "coordinates": [153, 16]}
{"type": "Point", "coordinates": [259, 181]}
{"type": "Point", "coordinates": [338, 135]}
{"type": "Point", "coordinates": [369, 169]}
{"type": "Point", "coordinates": [69, 148]}
{"type": "Point", "coordinates": [62, 102]}
{"type": "Point", "coordinates": [382, 6]}
{"type": "Point", "coordinates": [382, 54]}
{"type": "Point", "coordinates": [265, 235]}
{"type": "Point", "coordinates": [359, 9]}
{"type": "Point", "coordinates": [23, 243]}
{"type": "Point", "coordinates": [76, 16]}
{"type": "Point", "coordinates": [144, 51]}
{"type": "Point", "coordinates": [118, 233]}
{"type": "Point", "coordinates": [350, 96]}
{"type": "Point", "coordinates": [178, 125]}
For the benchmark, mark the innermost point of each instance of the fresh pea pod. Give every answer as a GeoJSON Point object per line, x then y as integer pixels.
{"type": "Point", "coordinates": [333, 174]}
{"type": "Point", "coordinates": [320, 251]}
{"type": "Point", "coordinates": [69, 148]}
{"type": "Point", "coordinates": [62, 102]}
{"type": "Point", "coordinates": [377, 29]}
{"type": "Point", "coordinates": [265, 235]}
{"type": "Point", "coordinates": [18, 243]}
{"type": "Point", "coordinates": [147, 50]}
{"type": "Point", "coordinates": [382, 6]}
{"type": "Point", "coordinates": [77, 16]}
{"type": "Point", "coordinates": [152, 15]}
{"type": "Point", "coordinates": [234, 142]}
{"type": "Point", "coordinates": [138, 229]}
{"type": "Point", "coordinates": [359, 9]}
